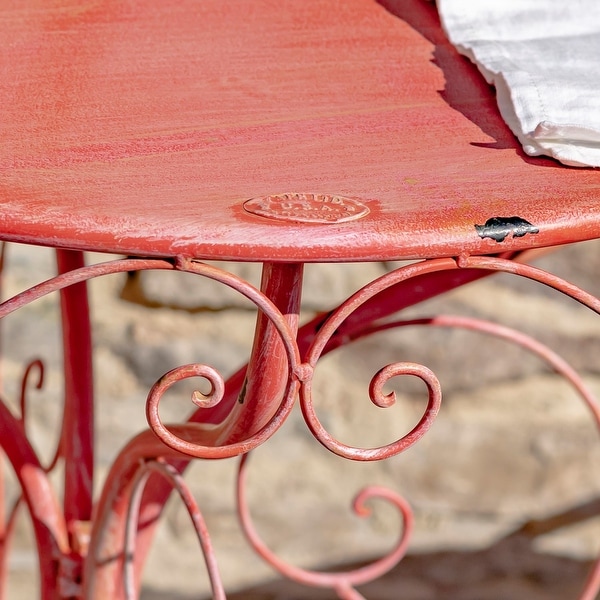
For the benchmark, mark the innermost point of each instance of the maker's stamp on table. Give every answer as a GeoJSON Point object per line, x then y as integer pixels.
{"type": "Point", "coordinates": [307, 208]}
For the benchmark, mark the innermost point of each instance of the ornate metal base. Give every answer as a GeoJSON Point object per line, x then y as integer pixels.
{"type": "Point", "coordinates": [98, 551]}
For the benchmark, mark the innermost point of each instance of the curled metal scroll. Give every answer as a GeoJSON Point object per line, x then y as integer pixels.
{"type": "Point", "coordinates": [376, 393]}
{"type": "Point", "coordinates": [34, 369]}
{"type": "Point", "coordinates": [184, 441]}
{"type": "Point", "coordinates": [382, 400]}
{"type": "Point", "coordinates": [170, 435]}
{"type": "Point", "coordinates": [215, 395]}
{"type": "Point", "coordinates": [174, 478]}
{"type": "Point", "coordinates": [555, 361]}
{"type": "Point", "coordinates": [327, 334]}
{"type": "Point", "coordinates": [34, 366]}
{"type": "Point", "coordinates": [328, 337]}
{"type": "Point", "coordinates": [342, 582]}
{"type": "Point", "coordinates": [558, 364]}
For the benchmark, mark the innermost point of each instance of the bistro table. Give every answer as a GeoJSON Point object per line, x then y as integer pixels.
{"type": "Point", "coordinates": [279, 132]}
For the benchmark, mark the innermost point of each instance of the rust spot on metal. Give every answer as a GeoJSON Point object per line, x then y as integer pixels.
{"type": "Point", "coordinates": [307, 208]}
{"type": "Point", "coordinates": [499, 228]}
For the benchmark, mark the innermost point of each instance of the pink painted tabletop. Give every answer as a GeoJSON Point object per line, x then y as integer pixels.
{"type": "Point", "coordinates": [264, 130]}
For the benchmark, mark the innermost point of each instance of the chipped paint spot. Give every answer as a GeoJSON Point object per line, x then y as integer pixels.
{"type": "Point", "coordinates": [499, 228]}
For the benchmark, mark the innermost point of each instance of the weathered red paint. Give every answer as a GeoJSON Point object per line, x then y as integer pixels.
{"type": "Point", "coordinates": [143, 127]}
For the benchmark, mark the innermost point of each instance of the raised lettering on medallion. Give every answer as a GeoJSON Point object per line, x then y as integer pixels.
{"type": "Point", "coordinates": [307, 208]}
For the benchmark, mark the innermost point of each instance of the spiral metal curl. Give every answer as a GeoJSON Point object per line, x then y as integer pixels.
{"type": "Point", "coordinates": [342, 582]}
{"type": "Point", "coordinates": [558, 364]}
{"type": "Point", "coordinates": [180, 437]}
{"type": "Point", "coordinates": [376, 393]}
{"type": "Point", "coordinates": [35, 365]}
{"type": "Point", "coordinates": [209, 400]}
{"type": "Point", "coordinates": [36, 369]}
{"type": "Point", "coordinates": [169, 473]}
{"type": "Point", "coordinates": [8, 524]}
{"type": "Point", "coordinates": [382, 400]}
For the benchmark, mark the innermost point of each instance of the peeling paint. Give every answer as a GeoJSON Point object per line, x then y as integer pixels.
{"type": "Point", "coordinates": [499, 228]}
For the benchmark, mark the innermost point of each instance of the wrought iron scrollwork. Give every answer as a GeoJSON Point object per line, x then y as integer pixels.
{"type": "Point", "coordinates": [182, 441]}
{"type": "Point", "coordinates": [322, 343]}
{"type": "Point", "coordinates": [382, 400]}
{"type": "Point", "coordinates": [344, 583]}
{"type": "Point", "coordinates": [296, 372]}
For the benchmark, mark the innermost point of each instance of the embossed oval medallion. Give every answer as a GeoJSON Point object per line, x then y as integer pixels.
{"type": "Point", "coordinates": [307, 208]}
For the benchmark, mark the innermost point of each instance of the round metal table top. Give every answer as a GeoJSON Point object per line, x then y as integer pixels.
{"type": "Point", "coordinates": [265, 130]}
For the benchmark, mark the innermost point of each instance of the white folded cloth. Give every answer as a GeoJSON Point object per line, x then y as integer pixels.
{"type": "Point", "coordinates": [543, 57]}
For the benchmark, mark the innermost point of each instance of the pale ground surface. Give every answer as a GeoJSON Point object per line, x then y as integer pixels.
{"type": "Point", "coordinates": [511, 444]}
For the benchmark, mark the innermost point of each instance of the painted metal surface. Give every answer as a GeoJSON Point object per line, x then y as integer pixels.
{"type": "Point", "coordinates": [282, 132]}
{"type": "Point", "coordinates": [145, 127]}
